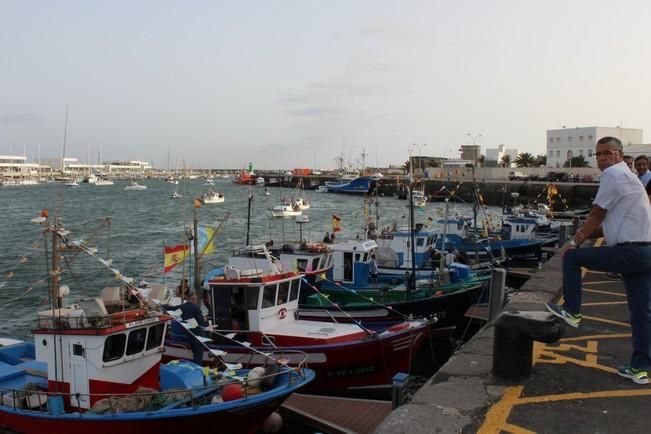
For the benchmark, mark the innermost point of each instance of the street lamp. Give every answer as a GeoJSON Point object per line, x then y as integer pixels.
{"type": "Point", "coordinates": [474, 142]}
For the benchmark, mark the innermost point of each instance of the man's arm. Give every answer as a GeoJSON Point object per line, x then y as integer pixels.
{"type": "Point", "coordinates": [591, 228]}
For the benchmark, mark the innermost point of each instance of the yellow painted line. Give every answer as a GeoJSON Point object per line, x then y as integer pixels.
{"type": "Point", "coordinates": [597, 337]}
{"type": "Point", "coordinates": [515, 429]}
{"type": "Point", "coordinates": [607, 321]}
{"type": "Point", "coordinates": [499, 413]}
{"type": "Point", "coordinates": [605, 303]}
{"type": "Point", "coordinates": [597, 291]}
{"type": "Point", "coordinates": [584, 395]}
{"type": "Point", "coordinates": [602, 282]}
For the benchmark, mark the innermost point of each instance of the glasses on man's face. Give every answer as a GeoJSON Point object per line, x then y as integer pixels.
{"type": "Point", "coordinates": [606, 153]}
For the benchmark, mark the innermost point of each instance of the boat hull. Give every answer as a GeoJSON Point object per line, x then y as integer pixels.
{"type": "Point", "coordinates": [244, 419]}
{"type": "Point", "coordinates": [367, 364]}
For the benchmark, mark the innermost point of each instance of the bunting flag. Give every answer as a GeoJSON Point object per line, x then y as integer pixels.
{"type": "Point", "coordinates": [336, 223]}
{"type": "Point", "coordinates": [174, 255]}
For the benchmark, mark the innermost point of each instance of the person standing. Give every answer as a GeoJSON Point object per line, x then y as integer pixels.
{"type": "Point", "coordinates": [622, 214]}
{"type": "Point", "coordinates": [629, 162]}
{"type": "Point", "coordinates": [373, 270]}
{"type": "Point", "coordinates": [642, 167]}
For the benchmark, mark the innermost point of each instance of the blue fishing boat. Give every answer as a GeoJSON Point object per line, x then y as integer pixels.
{"type": "Point", "coordinates": [359, 185]}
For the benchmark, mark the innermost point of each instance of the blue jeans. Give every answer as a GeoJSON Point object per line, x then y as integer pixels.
{"type": "Point", "coordinates": [634, 263]}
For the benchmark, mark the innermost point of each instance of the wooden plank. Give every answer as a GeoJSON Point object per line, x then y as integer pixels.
{"type": "Point", "coordinates": [337, 415]}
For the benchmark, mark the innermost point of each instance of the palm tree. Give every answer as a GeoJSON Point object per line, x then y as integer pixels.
{"type": "Point", "coordinates": [541, 160]}
{"type": "Point", "coordinates": [506, 160]}
{"type": "Point", "coordinates": [577, 161]}
{"type": "Point", "coordinates": [525, 160]}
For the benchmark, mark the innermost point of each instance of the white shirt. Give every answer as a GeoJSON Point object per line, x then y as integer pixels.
{"type": "Point", "coordinates": [644, 179]}
{"type": "Point", "coordinates": [628, 216]}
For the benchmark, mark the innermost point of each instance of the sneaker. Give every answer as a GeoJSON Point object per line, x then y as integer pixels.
{"type": "Point", "coordinates": [613, 276]}
{"type": "Point", "coordinates": [560, 311]}
{"type": "Point", "coordinates": [637, 375]}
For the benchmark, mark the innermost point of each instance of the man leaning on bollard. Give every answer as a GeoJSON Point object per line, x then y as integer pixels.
{"type": "Point", "coordinates": [621, 213]}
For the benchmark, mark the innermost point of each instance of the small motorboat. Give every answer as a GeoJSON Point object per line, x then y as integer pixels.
{"type": "Point", "coordinates": [134, 186]}
{"type": "Point", "coordinates": [286, 209]}
{"type": "Point", "coordinates": [212, 197]}
{"type": "Point", "coordinates": [176, 195]}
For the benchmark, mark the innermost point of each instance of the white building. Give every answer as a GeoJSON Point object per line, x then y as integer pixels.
{"type": "Point", "coordinates": [494, 156]}
{"type": "Point", "coordinates": [566, 143]}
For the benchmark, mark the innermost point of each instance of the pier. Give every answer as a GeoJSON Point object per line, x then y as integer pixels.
{"type": "Point", "coordinates": [573, 387]}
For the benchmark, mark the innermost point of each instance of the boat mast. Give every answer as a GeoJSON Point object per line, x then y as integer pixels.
{"type": "Point", "coordinates": [197, 205]}
{"type": "Point", "coordinates": [248, 216]}
{"type": "Point", "coordinates": [412, 280]}
{"type": "Point", "coordinates": [65, 136]}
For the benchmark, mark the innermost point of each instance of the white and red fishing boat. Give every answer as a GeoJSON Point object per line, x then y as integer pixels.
{"type": "Point", "coordinates": [95, 367]}
{"type": "Point", "coordinates": [255, 306]}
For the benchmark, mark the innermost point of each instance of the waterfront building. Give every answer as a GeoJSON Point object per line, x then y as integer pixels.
{"type": "Point", "coordinates": [565, 143]}
{"type": "Point", "coordinates": [471, 153]}
{"type": "Point", "coordinates": [16, 167]}
{"type": "Point", "coordinates": [494, 156]}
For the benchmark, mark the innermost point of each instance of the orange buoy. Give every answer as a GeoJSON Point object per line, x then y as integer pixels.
{"type": "Point", "coordinates": [231, 392]}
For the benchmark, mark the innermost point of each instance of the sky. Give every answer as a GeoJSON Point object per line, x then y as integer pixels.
{"type": "Point", "coordinates": [286, 84]}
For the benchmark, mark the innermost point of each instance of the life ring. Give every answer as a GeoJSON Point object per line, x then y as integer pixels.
{"type": "Point", "coordinates": [282, 313]}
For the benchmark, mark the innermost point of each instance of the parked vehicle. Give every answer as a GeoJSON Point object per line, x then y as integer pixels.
{"type": "Point", "coordinates": [517, 176]}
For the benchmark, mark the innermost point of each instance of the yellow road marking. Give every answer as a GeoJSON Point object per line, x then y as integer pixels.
{"type": "Point", "coordinates": [605, 303]}
{"type": "Point", "coordinates": [598, 291]}
{"type": "Point", "coordinates": [596, 337]}
{"type": "Point", "coordinates": [515, 429]}
{"type": "Point", "coordinates": [584, 395]}
{"type": "Point", "coordinates": [499, 413]}
{"type": "Point", "coordinates": [607, 321]}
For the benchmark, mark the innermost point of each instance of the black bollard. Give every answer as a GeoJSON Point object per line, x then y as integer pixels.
{"type": "Point", "coordinates": [513, 341]}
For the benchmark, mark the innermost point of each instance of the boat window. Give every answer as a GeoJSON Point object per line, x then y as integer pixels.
{"type": "Point", "coordinates": [357, 257]}
{"type": "Point", "coordinates": [315, 263]}
{"type": "Point", "coordinates": [155, 336]}
{"type": "Point", "coordinates": [252, 298]}
{"type": "Point", "coordinates": [293, 289]}
{"type": "Point", "coordinates": [301, 264]}
{"type": "Point", "coordinates": [269, 296]}
{"type": "Point", "coordinates": [283, 292]}
{"type": "Point", "coordinates": [114, 347]}
{"type": "Point", "coordinates": [420, 242]}
{"type": "Point", "coordinates": [136, 342]}
{"type": "Point", "coordinates": [330, 260]}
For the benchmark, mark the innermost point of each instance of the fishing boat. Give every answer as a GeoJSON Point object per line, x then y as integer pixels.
{"type": "Point", "coordinates": [254, 307]}
{"type": "Point", "coordinates": [359, 185]}
{"type": "Point", "coordinates": [212, 197]}
{"type": "Point", "coordinates": [346, 293]}
{"type": "Point", "coordinates": [95, 367]}
{"type": "Point", "coordinates": [259, 181]}
{"type": "Point", "coordinates": [134, 186]}
{"type": "Point", "coordinates": [419, 198]}
{"type": "Point", "coordinates": [286, 209]}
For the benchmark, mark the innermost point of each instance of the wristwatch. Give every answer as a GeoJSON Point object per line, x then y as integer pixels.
{"type": "Point", "coordinates": [573, 244]}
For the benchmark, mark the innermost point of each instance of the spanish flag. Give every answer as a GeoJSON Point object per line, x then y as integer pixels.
{"type": "Point", "coordinates": [336, 223]}
{"type": "Point", "coordinates": [174, 255]}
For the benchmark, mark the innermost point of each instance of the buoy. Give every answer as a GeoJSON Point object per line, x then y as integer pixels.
{"type": "Point", "coordinates": [253, 379]}
{"type": "Point", "coordinates": [273, 423]}
{"type": "Point", "coordinates": [231, 392]}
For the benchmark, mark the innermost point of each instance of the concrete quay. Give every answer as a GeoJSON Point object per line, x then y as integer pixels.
{"type": "Point", "coordinates": [573, 387]}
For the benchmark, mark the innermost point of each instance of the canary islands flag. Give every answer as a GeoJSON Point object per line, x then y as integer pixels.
{"type": "Point", "coordinates": [336, 223]}
{"type": "Point", "coordinates": [174, 255]}
{"type": "Point", "coordinates": [205, 236]}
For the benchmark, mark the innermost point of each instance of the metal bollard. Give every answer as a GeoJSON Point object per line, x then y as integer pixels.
{"type": "Point", "coordinates": [496, 296]}
{"type": "Point", "coordinates": [562, 235]}
{"type": "Point", "coordinates": [400, 382]}
{"type": "Point", "coordinates": [513, 341]}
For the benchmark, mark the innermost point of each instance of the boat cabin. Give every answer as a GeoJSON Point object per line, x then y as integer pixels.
{"type": "Point", "coordinates": [351, 262]}
{"type": "Point", "coordinates": [87, 351]}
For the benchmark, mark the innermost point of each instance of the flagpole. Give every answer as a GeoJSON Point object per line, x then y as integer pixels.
{"type": "Point", "coordinates": [197, 205]}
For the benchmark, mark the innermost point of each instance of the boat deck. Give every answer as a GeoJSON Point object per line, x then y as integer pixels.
{"type": "Point", "coordinates": [335, 414]}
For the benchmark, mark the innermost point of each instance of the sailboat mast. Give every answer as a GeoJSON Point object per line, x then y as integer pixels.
{"type": "Point", "coordinates": [65, 136]}
{"type": "Point", "coordinates": [248, 217]}
{"type": "Point", "coordinates": [412, 228]}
